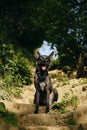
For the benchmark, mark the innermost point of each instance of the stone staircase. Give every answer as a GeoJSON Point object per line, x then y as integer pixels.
{"type": "Point", "coordinates": [54, 121]}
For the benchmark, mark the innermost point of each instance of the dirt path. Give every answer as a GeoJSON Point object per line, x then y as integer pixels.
{"type": "Point", "coordinates": [24, 107]}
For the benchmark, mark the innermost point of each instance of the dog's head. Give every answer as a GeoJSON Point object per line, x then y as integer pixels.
{"type": "Point", "coordinates": [43, 61]}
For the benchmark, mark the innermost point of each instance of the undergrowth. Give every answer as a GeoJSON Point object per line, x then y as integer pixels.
{"type": "Point", "coordinates": [66, 102]}
{"type": "Point", "coordinates": [8, 117]}
{"type": "Point", "coordinates": [15, 70]}
{"type": "Point", "coordinates": [71, 121]}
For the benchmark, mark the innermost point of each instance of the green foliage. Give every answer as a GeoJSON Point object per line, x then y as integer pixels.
{"type": "Point", "coordinates": [8, 117]}
{"type": "Point", "coordinates": [14, 66]}
{"type": "Point", "coordinates": [22, 71]}
{"type": "Point", "coordinates": [14, 70]}
{"type": "Point", "coordinates": [71, 121]}
{"type": "Point", "coordinates": [84, 81]}
{"type": "Point", "coordinates": [59, 107]}
{"type": "Point", "coordinates": [7, 92]}
{"type": "Point", "coordinates": [2, 107]}
{"type": "Point", "coordinates": [54, 64]}
{"type": "Point", "coordinates": [65, 81]}
{"type": "Point", "coordinates": [65, 103]}
{"type": "Point", "coordinates": [62, 23]}
{"type": "Point", "coordinates": [66, 69]}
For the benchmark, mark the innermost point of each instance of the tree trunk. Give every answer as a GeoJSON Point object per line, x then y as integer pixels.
{"type": "Point", "coordinates": [80, 66]}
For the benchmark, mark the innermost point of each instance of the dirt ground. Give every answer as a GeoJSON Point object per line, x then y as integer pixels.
{"type": "Point", "coordinates": [24, 107]}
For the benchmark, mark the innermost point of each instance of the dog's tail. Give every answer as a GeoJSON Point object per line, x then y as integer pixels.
{"type": "Point", "coordinates": [55, 95]}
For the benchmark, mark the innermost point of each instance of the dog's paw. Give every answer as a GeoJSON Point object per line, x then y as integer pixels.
{"type": "Point", "coordinates": [48, 113]}
{"type": "Point", "coordinates": [32, 112]}
{"type": "Point", "coordinates": [35, 112]}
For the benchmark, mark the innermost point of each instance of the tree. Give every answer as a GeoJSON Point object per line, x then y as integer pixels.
{"type": "Point", "coordinates": [62, 23]}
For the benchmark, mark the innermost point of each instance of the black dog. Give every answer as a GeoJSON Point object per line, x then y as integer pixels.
{"type": "Point", "coordinates": [45, 93]}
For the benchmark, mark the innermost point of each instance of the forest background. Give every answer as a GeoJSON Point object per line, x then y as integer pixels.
{"type": "Point", "coordinates": [25, 24]}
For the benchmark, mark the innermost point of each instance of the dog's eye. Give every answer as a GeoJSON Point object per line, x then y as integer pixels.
{"type": "Point", "coordinates": [39, 61]}
{"type": "Point", "coordinates": [47, 60]}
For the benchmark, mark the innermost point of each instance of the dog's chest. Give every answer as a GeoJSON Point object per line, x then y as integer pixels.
{"type": "Point", "coordinates": [42, 86]}
{"type": "Point", "coordinates": [42, 79]}
{"type": "Point", "coordinates": [42, 82]}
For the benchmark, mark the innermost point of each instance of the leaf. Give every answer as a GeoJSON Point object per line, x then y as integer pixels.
{"type": "Point", "coordinates": [10, 118]}
{"type": "Point", "coordinates": [2, 107]}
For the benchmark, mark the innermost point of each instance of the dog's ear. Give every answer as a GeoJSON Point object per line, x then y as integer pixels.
{"type": "Point", "coordinates": [51, 55]}
{"type": "Point", "coordinates": [37, 55]}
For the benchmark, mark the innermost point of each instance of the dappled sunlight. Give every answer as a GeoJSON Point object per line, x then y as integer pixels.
{"type": "Point", "coordinates": [72, 93]}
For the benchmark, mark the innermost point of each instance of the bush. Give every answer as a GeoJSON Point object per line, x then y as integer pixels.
{"type": "Point", "coordinates": [66, 101]}
{"type": "Point", "coordinates": [14, 68]}
{"type": "Point", "coordinates": [66, 69]}
{"type": "Point", "coordinates": [54, 64]}
{"type": "Point", "coordinates": [71, 121]}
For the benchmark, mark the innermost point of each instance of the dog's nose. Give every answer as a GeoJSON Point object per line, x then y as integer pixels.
{"type": "Point", "coordinates": [43, 62]}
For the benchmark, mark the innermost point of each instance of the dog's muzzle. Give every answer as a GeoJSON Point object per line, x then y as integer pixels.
{"type": "Point", "coordinates": [42, 86]}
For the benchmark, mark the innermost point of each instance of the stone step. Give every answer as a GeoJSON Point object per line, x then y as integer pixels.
{"type": "Point", "coordinates": [29, 121]}
{"type": "Point", "coordinates": [43, 119]}
{"type": "Point", "coordinates": [23, 108]}
{"type": "Point", "coordinates": [74, 127]}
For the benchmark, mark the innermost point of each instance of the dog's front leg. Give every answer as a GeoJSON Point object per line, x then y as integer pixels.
{"type": "Point", "coordinates": [48, 89]}
{"type": "Point", "coordinates": [47, 105]}
{"type": "Point", "coordinates": [37, 101]}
